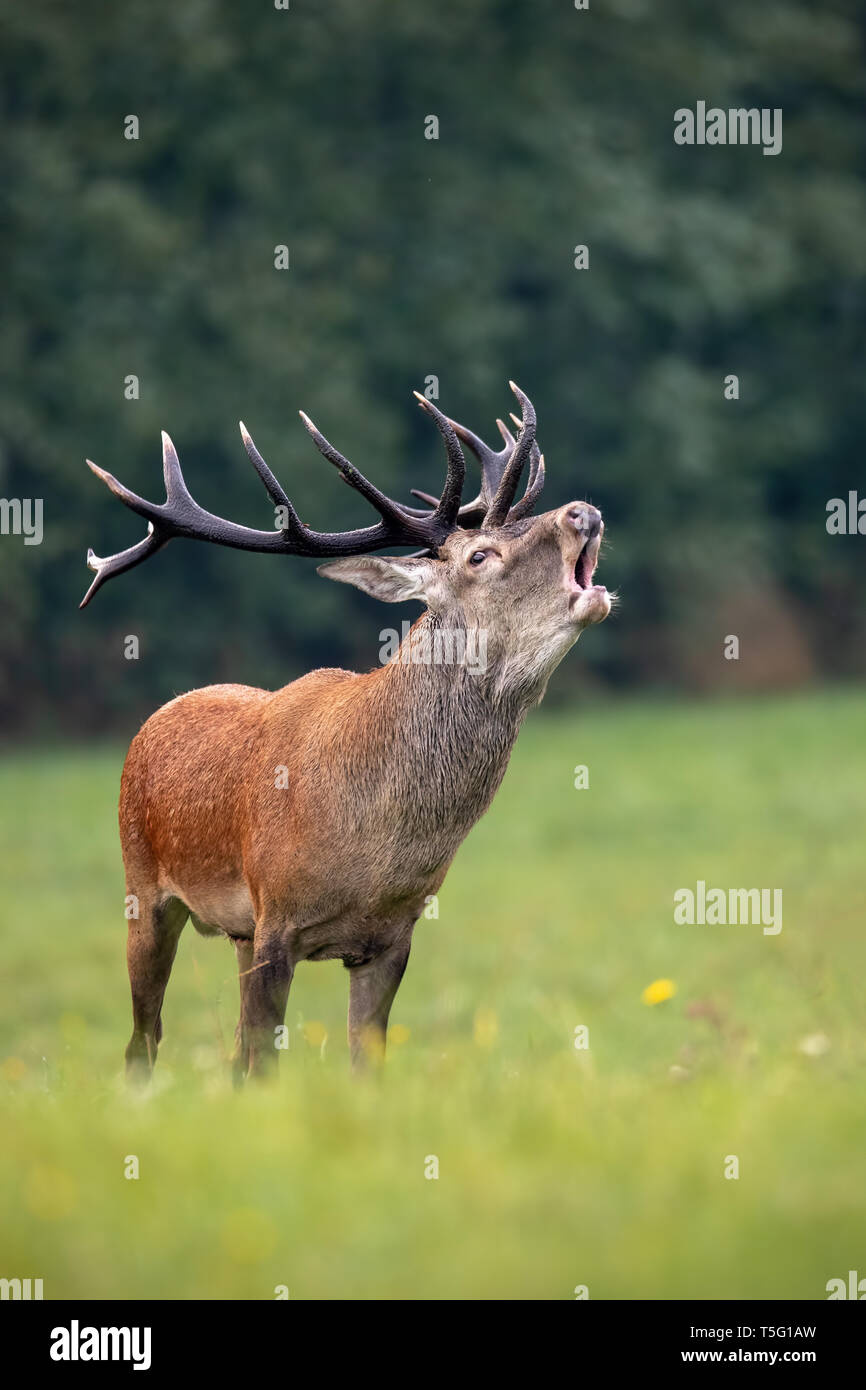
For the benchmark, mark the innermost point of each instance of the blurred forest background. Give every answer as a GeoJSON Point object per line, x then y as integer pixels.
{"type": "Point", "coordinates": [412, 257]}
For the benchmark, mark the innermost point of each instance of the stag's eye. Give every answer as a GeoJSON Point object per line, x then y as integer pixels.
{"type": "Point", "coordinates": [478, 557]}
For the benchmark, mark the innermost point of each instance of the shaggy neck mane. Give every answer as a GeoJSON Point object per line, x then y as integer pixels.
{"type": "Point", "coordinates": [449, 726]}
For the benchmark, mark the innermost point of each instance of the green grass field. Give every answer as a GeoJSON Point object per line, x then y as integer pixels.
{"type": "Point", "coordinates": [557, 1167]}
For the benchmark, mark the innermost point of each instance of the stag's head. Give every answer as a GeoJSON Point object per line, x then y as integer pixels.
{"type": "Point", "coordinates": [525, 581]}
{"type": "Point", "coordinates": [486, 565]}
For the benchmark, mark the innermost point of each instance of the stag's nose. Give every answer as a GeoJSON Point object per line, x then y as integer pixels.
{"type": "Point", "coordinates": [583, 518]}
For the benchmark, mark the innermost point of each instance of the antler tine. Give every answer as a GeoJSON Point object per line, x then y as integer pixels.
{"type": "Point", "coordinates": [487, 457]}
{"type": "Point", "coordinates": [533, 488]}
{"type": "Point", "coordinates": [273, 486]}
{"type": "Point", "coordinates": [181, 516]}
{"type": "Point", "coordinates": [425, 497]}
{"type": "Point", "coordinates": [116, 564]}
{"type": "Point", "coordinates": [494, 464]}
{"type": "Point", "coordinates": [498, 511]}
{"type": "Point", "coordinates": [448, 506]}
{"type": "Point", "coordinates": [510, 441]}
{"type": "Point", "coordinates": [158, 534]}
{"type": "Point", "coordinates": [387, 509]}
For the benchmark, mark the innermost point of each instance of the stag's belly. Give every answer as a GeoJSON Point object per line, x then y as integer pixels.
{"type": "Point", "coordinates": [218, 909]}
{"type": "Point", "coordinates": [325, 923]}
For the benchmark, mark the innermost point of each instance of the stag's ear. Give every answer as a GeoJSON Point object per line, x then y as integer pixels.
{"type": "Point", "coordinates": [390, 578]}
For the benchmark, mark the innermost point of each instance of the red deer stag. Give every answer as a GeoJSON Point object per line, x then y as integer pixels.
{"type": "Point", "coordinates": [314, 822]}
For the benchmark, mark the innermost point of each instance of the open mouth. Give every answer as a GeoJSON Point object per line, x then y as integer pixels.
{"type": "Point", "coordinates": [585, 565]}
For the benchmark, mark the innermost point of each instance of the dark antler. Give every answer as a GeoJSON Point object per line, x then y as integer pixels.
{"type": "Point", "coordinates": [500, 472]}
{"type": "Point", "coordinates": [180, 514]}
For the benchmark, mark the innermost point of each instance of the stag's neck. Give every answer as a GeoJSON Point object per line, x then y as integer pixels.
{"type": "Point", "coordinates": [447, 723]}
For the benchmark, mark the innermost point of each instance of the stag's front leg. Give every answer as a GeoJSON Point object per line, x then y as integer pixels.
{"type": "Point", "coordinates": [264, 995]}
{"type": "Point", "coordinates": [372, 988]}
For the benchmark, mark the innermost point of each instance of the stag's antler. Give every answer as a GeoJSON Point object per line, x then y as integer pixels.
{"type": "Point", "coordinates": [180, 514]}
{"type": "Point", "coordinates": [500, 471]}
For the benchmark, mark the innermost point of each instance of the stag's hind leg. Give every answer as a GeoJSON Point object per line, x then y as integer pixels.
{"type": "Point", "coordinates": [241, 1057]}
{"type": "Point", "coordinates": [150, 950]}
